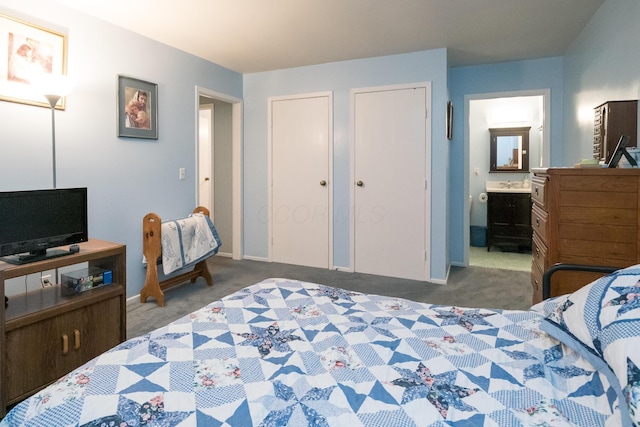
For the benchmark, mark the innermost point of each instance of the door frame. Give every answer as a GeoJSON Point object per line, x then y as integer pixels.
{"type": "Point", "coordinates": [209, 108]}
{"type": "Point", "coordinates": [270, 101]}
{"type": "Point", "coordinates": [427, 142]}
{"type": "Point", "coordinates": [546, 152]}
{"type": "Point", "coordinates": [237, 150]}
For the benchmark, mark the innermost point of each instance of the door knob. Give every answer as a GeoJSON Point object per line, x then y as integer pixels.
{"type": "Point", "coordinates": [206, 179]}
{"type": "Point", "coordinates": [323, 182]}
{"type": "Point", "coordinates": [359, 183]}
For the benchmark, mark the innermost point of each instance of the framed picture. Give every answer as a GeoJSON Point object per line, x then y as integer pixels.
{"type": "Point", "coordinates": [449, 120]}
{"type": "Point", "coordinates": [29, 54]}
{"type": "Point", "coordinates": [137, 108]}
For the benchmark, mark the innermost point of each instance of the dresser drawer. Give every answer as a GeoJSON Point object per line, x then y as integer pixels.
{"type": "Point", "coordinates": [537, 191]}
{"type": "Point", "coordinates": [539, 253]}
{"type": "Point", "coordinates": [536, 283]}
{"type": "Point", "coordinates": [539, 222]}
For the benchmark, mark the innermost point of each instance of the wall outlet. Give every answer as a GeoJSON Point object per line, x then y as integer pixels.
{"type": "Point", "coordinates": [46, 281]}
{"type": "Point", "coordinates": [181, 173]}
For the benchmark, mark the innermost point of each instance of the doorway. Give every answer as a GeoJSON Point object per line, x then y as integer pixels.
{"type": "Point", "coordinates": [219, 165]}
{"type": "Point", "coordinates": [498, 110]}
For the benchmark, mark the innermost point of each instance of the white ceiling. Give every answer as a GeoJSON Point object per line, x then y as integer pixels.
{"type": "Point", "coordinates": [250, 36]}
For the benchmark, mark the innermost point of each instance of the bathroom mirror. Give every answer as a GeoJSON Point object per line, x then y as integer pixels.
{"type": "Point", "coordinates": [509, 149]}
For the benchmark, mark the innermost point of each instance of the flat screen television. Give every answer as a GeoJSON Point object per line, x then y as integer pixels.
{"type": "Point", "coordinates": [33, 224]}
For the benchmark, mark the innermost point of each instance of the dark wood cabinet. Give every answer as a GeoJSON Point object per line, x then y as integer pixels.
{"type": "Point", "coordinates": [612, 120]}
{"type": "Point", "coordinates": [45, 335]}
{"type": "Point", "coordinates": [509, 220]}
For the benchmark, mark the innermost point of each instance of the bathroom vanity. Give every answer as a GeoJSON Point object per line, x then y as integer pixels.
{"type": "Point", "coordinates": [509, 217]}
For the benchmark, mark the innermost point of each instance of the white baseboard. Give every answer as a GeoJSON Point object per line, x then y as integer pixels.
{"type": "Point", "coordinates": [256, 258]}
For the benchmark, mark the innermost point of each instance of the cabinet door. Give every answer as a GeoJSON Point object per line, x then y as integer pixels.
{"type": "Point", "coordinates": [36, 353]}
{"type": "Point", "coordinates": [522, 214]}
{"type": "Point", "coordinates": [500, 210]}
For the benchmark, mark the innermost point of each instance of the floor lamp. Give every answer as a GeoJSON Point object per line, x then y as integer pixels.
{"type": "Point", "coordinates": [53, 100]}
{"type": "Point", "coordinates": [54, 88]}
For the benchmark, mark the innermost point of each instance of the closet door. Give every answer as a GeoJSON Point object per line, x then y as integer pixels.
{"type": "Point", "coordinates": [300, 216]}
{"type": "Point", "coordinates": [390, 188]}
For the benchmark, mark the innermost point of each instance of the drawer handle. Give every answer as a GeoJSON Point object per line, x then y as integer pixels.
{"type": "Point", "coordinates": [65, 344]}
{"type": "Point", "coordinates": [76, 336]}
{"type": "Point", "coordinates": [537, 253]}
{"type": "Point", "coordinates": [536, 190]}
{"type": "Point", "coordinates": [537, 222]}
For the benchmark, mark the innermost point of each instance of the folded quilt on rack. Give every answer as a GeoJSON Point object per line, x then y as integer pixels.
{"type": "Point", "coordinates": [187, 241]}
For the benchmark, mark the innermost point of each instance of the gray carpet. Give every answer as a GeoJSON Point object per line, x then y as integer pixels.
{"type": "Point", "coordinates": [466, 287]}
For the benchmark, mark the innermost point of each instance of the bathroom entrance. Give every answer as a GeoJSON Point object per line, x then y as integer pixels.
{"type": "Point", "coordinates": [524, 109]}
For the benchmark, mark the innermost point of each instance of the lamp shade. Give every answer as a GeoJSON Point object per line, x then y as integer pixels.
{"type": "Point", "coordinates": [53, 87]}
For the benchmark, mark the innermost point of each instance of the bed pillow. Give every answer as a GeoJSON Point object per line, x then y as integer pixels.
{"type": "Point", "coordinates": [601, 321]}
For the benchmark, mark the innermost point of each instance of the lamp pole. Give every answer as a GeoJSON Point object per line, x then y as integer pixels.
{"type": "Point", "coordinates": [53, 100]}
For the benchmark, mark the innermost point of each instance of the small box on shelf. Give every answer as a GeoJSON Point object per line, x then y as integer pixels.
{"type": "Point", "coordinates": [78, 281]}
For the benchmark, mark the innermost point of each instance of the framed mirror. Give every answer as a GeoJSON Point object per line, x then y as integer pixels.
{"type": "Point", "coordinates": [509, 149]}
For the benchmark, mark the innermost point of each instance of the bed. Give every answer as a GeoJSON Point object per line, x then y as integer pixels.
{"type": "Point", "coordinates": [284, 352]}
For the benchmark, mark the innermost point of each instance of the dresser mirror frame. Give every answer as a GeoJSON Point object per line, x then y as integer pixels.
{"type": "Point", "coordinates": [509, 149]}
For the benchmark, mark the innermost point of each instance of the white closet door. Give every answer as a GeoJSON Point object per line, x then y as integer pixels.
{"type": "Point", "coordinates": [390, 195]}
{"type": "Point", "coordinates": [300, 181]}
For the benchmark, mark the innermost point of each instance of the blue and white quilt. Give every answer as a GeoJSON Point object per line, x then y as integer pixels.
{"type": "Point", "coordinates": [290, 353]}
{"type": "Point", "coordinates": [188, 240]}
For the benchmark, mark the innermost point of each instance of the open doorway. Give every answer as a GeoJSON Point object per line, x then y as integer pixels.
{"type": "Point", "coordinates": [498, 110]}
{"type": "Point", "coordinates": [219, 165]}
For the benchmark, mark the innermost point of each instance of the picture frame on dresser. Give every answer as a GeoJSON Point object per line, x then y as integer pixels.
{"type": "Point", "coordinates": [620, 151]}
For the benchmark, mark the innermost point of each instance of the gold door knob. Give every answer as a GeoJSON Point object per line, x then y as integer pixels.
{"type": "Point", "coordinates": [323, 182]}
{"type": "Point", "coordinates": [359, 183]}
{"type": "Point", "coordinates": [206, 179]}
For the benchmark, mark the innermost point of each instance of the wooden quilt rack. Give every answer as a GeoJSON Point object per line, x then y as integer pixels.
{"type": "Point", "coordinates": [152, 250]}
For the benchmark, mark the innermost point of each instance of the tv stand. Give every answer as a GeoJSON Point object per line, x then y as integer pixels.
{"type": "Point", "coordinates": [30, 257]}
{"type": "Point", "coordinates": [44, 336]}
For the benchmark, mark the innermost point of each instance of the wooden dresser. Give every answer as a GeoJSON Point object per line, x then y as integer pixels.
{"type": "Point", "coordinates": [583, 216]}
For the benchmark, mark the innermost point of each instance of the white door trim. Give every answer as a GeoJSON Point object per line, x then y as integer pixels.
{"type": "Point", "coordinates": [208, 170]}
{"type": "Point", "coordinates": [270, 101]}
{"type": "Point", "coordinates": [352, 144]}
{"type": "Point", "coordinates": [546, 149]}
{"type": "Point", "coordinates": [237, 149]}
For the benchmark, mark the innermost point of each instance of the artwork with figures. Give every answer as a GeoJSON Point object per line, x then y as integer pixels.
{"type": "Point", "coordinates": [137, 108]}
{"type": "Point", "coordinates": [29, 56]}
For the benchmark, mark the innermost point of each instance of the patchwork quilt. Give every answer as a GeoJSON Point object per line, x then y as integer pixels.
{"type": "Point", "coordinates": [290, 353]}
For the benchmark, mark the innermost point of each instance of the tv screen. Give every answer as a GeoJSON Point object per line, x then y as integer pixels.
{"type": "Point", "coordinates": [33, 222]}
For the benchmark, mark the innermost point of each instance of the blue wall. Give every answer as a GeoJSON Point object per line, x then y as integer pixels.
{"type": "Point", "coordinates": [129, 177]}
{"type": "Point", "coordinates": [546, 73]}
{"type": "Point", "coordinates": [603, 64]}
{"type": "Point", "coordinates": [126, 178]}
{"type": "Point", "coordinates": [340, 78]}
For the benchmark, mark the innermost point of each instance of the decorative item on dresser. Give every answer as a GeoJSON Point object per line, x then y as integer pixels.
{"type": "Point", "coordinates": [613, 119]}
{"type": "Point", "coordinates": [582, 216]}
{"type": "Point", "coordinates": [44, 335]}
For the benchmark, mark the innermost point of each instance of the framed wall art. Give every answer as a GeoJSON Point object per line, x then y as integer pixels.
{"type": "Point", "coordinates": [29, 54]}
{"type": "Point", "coordinates": [137, 108]}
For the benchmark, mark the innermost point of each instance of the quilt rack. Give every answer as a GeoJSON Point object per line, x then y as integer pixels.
{"type": "Point", "coordinates": [152, 250]}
